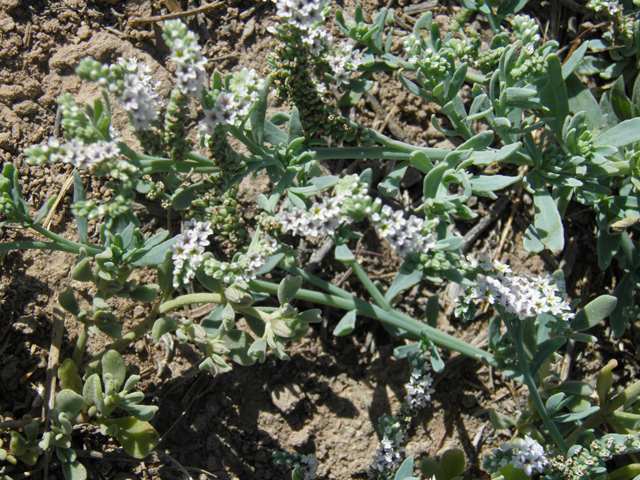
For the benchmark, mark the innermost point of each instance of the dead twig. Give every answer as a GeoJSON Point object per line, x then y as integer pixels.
{"type": "Point", "coordinates": [390, 122]}
{"type": "Point", "coordinates": [171, 16]}
{"type": "Point", "coordinates": [507, 226]}
{"type": "Point", "coordinates": [318, 256]}
{"type": "Point", "coordinates": [494, 212]}
{"type": "Point", "coordinates": [65, 186]}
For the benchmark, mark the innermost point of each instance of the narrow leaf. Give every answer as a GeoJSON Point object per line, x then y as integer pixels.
{"type": "Point", "coordinates": [545, 350]}
{"type": "Point", "coordinates": [79, 195]}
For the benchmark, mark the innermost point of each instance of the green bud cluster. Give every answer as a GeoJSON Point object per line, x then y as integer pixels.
{"type": "Point", "coordinates": [117, 206]}
{"type": "Point", "coordinates": [151, 189]}
{"type": "Point", "coordinates": [222, 211]}
{"type": "Point", "coordinates": [94, 71]}
{"type": "Point", "coordinates": [435, 261]}
{"type": "Point", "coordinates": [590, 462]}
{"type": "Point", "coordinates": [460, 18]}
{"type": "Point", "coordinates": [359, 206]}
{"type": "Point", "coordinates": [223, 156]}
{"type": "Point", "coordinates": [530, 65]}
{"type": "Point", "coordinates": [7, 205]}
{"type": "Point", "coordinates": [627, 29]}
{"type": "Point", "coordinates": [292, 66]}
{"type": "Point", "coordinates": [175, 124]}
{"type": "Point", "coordinates": [489, 60]}
{"type": "Point", "coordinates": [118, 169]}
{"type": "Point", "coordinates": [227, 272]}
{"type": "Point", "coordinates": [268, 223]}
{"type": "Point", "coordinates": [75, 123]}
{"type": "Point", "coordinates": [467, 49]}
{"type": "Point", "coordinates": [173, 30]}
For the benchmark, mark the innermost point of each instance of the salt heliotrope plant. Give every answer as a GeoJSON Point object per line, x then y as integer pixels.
{"type": "Point", "coordinates": [513, 103]}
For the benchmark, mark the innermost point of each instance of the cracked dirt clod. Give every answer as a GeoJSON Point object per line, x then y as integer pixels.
{"type": "Point", "coordinates": [287, 397]}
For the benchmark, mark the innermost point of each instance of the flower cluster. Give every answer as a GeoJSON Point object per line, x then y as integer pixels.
{"type": "Point", "coordinates": [187, 55]}
{"type": "Point", "coordinates": [523, 296]}
{"type": "Point", "coordinates": [405, 236]}
{"type": "Point", "coordinates": [350, 202]}
{"type": "Point", "coordinates": [612, 6]}
{"type": "Point", "coordinates": [142, 71]}
{"type": "Point", "coordinates": [323, 218]}
{"type": "Point", "coordinates": [231, 107]}
{"type": "Point", "coordinates": [523, 453]}
{"type": "Point", "coordinates": [80, 155]}
{"type": "Point", "coordinates": [138, 97]}
{"type": "Point", "coordinates": [187, 251]}
{"type": "Point", "coordinates": [244, 266]}
{"type": "Point", "coordinates": [390, 453]}
{"type": "Point", "coordinates": [344, 60]}
{"type": "Point", "coordinates": [419, 387]}
{"type": "Point", "coordinates": [317, 40]}
{"type": "Point", "coordinates": [301, 13]}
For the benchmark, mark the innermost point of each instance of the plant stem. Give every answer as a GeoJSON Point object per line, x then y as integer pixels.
{"type": "Point", "coordinates": [81, 344]}
{"type": "Point", "coordinates": [368, 284]}
{"type": "Point", "coordinates": [191, 299]}
{"type": "Point", "coordinates": [318, 282]}
{"type": "Point", "coordinates": [63, 241]}
{"type": "Point", "coordinates": [531, 384]}
{"type": "Point", "coordinates": [160, 166]}
{"type": "Point", "coordinates": [620, 399]}
{"type": "Point", "coordinates": [31, 245]}
{"type": "Point", "coordinates": [393, 318]}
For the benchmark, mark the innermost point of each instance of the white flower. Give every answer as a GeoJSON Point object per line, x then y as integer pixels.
{"type": "Point", "coordinates": [188, 249]}
{"type": "Point", "coordinates": [139, 101]}
{"type": "Point", "coordinates": [528, 455]}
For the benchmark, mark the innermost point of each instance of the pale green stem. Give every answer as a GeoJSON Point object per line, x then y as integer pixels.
{"type": "Point", "coordinates": [160, 166]}
{"type": "Point", "coordinates": [196, 157]}
{"type": "Point", "coordinates": [393, 318]}
{"type": "Point", "coordinates": [191, 299]}
{"type": "Point", "coordinates": [31, 245]}
{"type": "Point", "coordinates": [531, 384]}
{"type": "Point", "coordinates": [57, 238]}
{"type": "Point", "coordinates": [81, 344]}
{"type": "Point", "coordinates": [368, 284]}
{"type": "Point", "coordinates": [620, 399]}
{"type": "Point", "coordinates": [318, 282]}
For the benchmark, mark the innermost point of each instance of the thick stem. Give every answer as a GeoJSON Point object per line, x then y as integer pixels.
{"type": "Point", "coordinates": [401, 152]}
{"type": "Point", "coordinates": [31, 245]}
{"type": "Point", "coordinates": [393, 318]}
{"type": "Point", "coordinates": [191, 299]}
{"type": "Point", "coordinates": [619, 400]}
{"type": "Point", "coordinates": [531, 385]}
{"type": "Point", "coordinates": [377, 295]}
{"type": "Point", "coordinates": [318, 282]}
{"type": "Point", "coordinates": [163, 166]}
{"type": "Point", "coordinates": [61, 240]}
